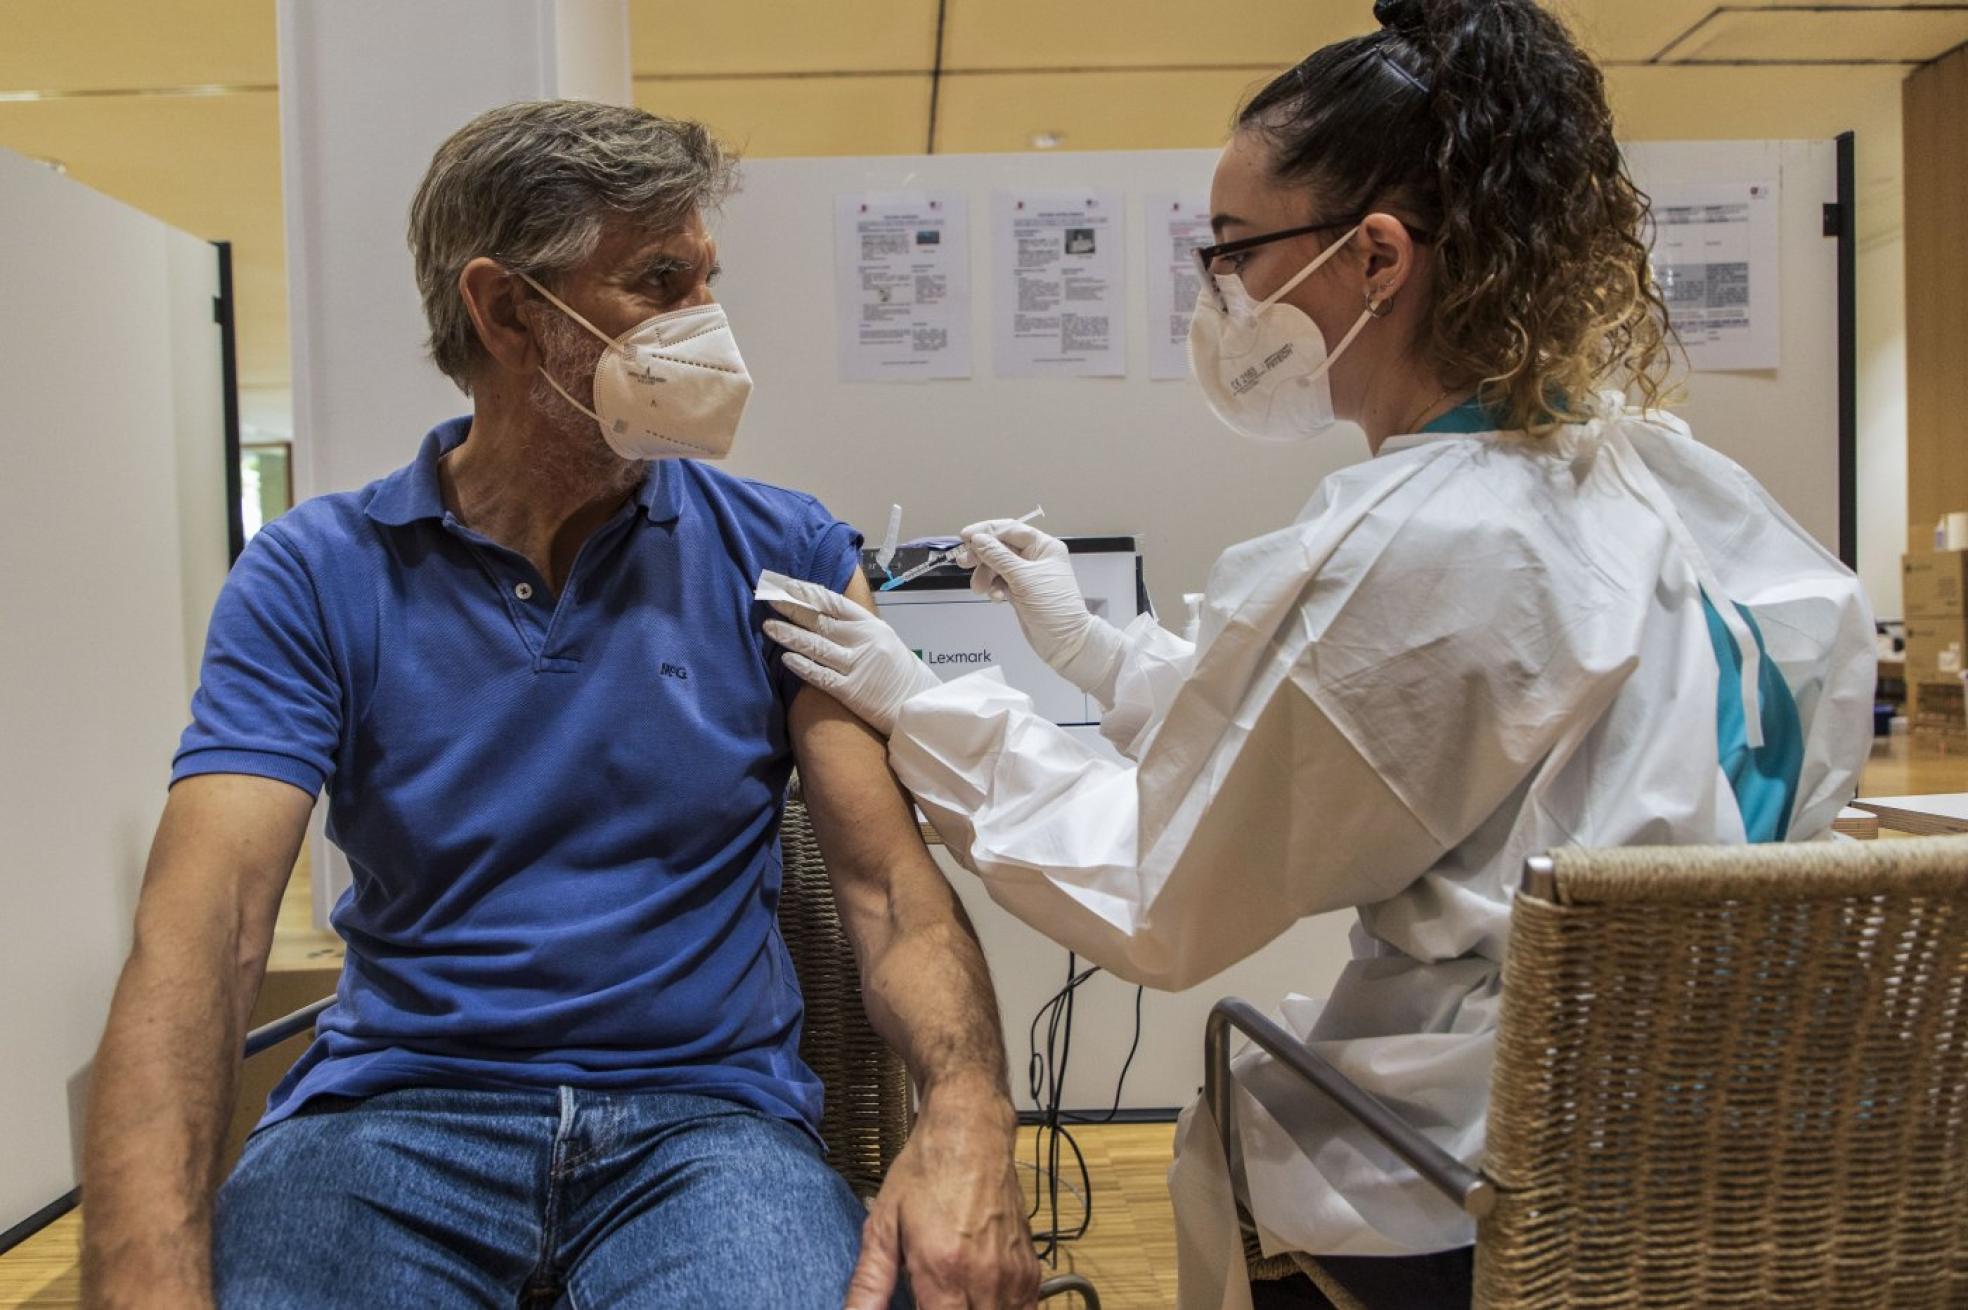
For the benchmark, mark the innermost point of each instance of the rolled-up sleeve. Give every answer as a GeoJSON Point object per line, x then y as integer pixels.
{"type": "Point", "coordinates": [269, 699]}
{"type": "Point", "coordinates": [833, 552]}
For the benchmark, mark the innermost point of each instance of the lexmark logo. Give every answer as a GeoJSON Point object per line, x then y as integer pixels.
{"type": "Point", "coordinates": [934, 657]}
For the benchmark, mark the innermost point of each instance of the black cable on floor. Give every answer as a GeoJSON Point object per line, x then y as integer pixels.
{"type": "Point", "coordinates": [1046, 1074]}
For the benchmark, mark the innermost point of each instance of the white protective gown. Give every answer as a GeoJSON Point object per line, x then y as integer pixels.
{"type": "Point", "coordinates": [1468, 650]}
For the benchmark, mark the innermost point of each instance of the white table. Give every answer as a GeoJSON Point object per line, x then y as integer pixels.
{"type": "Point", "coordinates": [1925, 816]}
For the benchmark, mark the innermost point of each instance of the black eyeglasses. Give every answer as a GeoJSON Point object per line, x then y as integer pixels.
{"type": "Point", "coordinates": [1206, 256]}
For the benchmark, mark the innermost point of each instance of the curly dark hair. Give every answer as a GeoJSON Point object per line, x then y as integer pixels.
{"type": "Point", "coordinates": [1486, 122]}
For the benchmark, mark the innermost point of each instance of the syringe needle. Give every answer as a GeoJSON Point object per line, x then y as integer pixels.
{"type": "Point", "coordinates": [938, 558]}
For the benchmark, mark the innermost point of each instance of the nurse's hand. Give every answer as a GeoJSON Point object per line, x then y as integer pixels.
{"type": "Point", "coordinates": [835, 645]}
{"type": "Point", "coordinates": [1017, 562]}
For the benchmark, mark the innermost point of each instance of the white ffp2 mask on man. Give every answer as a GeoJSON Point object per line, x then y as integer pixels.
{"type": "Point", "coordinates": [1263, 364]}
{"type": "Point", "coordinates": [671, 387]}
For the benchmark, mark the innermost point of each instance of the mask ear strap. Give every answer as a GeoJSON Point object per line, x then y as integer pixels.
{"type": "Point", "coordinates": [1359, 326]}
{"type": "Point", "coordinates": [566, 309]}
{"type": "Point", "coordinates": [1309, 269]}
{"type": "Point", "coordinates": [1332, 357]}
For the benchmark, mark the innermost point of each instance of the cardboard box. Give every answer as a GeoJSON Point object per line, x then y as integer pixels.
{"type": "Point", "coordinates": [1934, 584]}
{"type": "Point", "coordinates": [1940, 714]}
{"type": "Point", "coordinates": [1927, 639]}
{"type": "Point", "coordinates": [1945, 743]}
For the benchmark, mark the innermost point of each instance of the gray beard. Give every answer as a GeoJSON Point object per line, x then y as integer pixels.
{"type": "Point", "coordinates": [573, 451]}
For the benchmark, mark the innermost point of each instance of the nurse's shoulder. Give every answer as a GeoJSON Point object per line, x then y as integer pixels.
{"type": "Point", "coordinates": [1471, 495]}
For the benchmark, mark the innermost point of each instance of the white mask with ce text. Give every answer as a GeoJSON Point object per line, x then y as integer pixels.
{"type": "Point", "coordinates": [1263, 364]}
{"type": "Point", "coordinates": [671, 387]}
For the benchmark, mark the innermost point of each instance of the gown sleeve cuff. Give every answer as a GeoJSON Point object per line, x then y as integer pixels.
{"type": "Point", "coordinates": [1153, 662]}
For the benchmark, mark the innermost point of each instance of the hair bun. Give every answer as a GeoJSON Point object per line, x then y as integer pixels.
{"type": "Point", "coordinates": [1402, 17]}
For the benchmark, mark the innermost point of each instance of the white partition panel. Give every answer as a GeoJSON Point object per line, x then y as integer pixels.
{"type": "Point", "coordinates": [1131, 456]}
{"type": "Point", "coordinates": [109, 408]}
{"type": "Point", "coordinates": [1780, 424]}
{"type": "Point", "coordinates": [198, 415]}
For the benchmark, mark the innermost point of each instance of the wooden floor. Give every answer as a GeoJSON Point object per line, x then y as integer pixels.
{"type": "Point", "coordinates": [41, 1271]}
{"type": "Point", "coordinates": [1129, 1248]}
{"type": "Point", "coordinates": [1128, 1252]}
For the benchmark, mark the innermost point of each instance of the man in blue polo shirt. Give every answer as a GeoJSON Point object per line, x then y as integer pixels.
{"type": "Point", "coordinates": [562, 1066]}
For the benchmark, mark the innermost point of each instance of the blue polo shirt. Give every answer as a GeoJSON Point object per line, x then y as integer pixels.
{"type": "Point", "coordinates": [562, 812]}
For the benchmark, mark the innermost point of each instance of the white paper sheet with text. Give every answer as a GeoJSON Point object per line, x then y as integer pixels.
{"type": "Point", "coordinates": [1059, 293]}
{"type": "Point", "coordinates": [902, 285]}
{"type": "Point", "coordinates": [1715, 258]}
{"type": "Point", "coordinates": [1173, 228]}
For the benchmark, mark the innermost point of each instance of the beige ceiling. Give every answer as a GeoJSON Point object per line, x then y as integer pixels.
{"type": "Point", "coordinates": [172, 105]}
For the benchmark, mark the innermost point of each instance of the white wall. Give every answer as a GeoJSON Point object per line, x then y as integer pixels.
{"type": "Point", "coordinates": [1881, 277]}
{"type": "Point", "coordinates": [108, 369]}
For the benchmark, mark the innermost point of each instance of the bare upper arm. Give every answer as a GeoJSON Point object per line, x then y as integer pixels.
{"type": "Point", "coordinates": [865, 822]}
{"type": "Point", "coordinates": [226, 845]}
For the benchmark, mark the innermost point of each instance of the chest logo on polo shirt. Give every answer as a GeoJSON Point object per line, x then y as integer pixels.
{"type": "Point", "coordinates": [677, 671]}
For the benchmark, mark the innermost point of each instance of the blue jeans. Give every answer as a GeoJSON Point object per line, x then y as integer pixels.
{"type": "Point", "coordinates": [583, 1200]}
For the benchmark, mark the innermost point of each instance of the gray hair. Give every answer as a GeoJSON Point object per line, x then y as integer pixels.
{"type": "Point", "coordinates": [531, 186]}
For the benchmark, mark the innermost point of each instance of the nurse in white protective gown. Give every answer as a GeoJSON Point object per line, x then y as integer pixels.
{"type": "Point", "coordinates": [1537, 616]}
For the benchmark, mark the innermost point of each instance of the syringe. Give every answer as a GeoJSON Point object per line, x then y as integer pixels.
{"type": "Point", "coordinates": [938, 558]}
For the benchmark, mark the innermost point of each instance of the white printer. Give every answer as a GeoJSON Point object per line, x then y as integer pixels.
{"type": "Point", "coordinates": [956, 631]}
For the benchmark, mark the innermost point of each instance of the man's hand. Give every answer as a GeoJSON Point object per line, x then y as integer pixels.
{"type": "Point", "coordinates": [951, 1213]}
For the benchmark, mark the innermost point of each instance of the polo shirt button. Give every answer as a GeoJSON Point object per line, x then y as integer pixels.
{"type": "Point", "coordinates": [523, 590]}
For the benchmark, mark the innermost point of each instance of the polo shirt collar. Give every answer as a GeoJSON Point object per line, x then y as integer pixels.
{"type": "Point", "coordinates": [414, 492]}
{"type": "Point", "coordinates": [661, 492]}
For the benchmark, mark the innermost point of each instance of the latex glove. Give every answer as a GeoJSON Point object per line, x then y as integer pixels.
{"type": "Point", "coordinates": [1017, 562]}
{"type": "Point", "coordinates": [835, 645]}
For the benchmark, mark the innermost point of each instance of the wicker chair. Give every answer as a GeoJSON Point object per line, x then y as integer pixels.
{"type": "Point", "coordinates": [1724, 1077]}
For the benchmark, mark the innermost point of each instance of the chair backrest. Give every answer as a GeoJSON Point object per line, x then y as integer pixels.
{"type": "Point", "coordinates": [1734, 1077]}
{"type": "Point", "coordinates": [868, 1110]}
